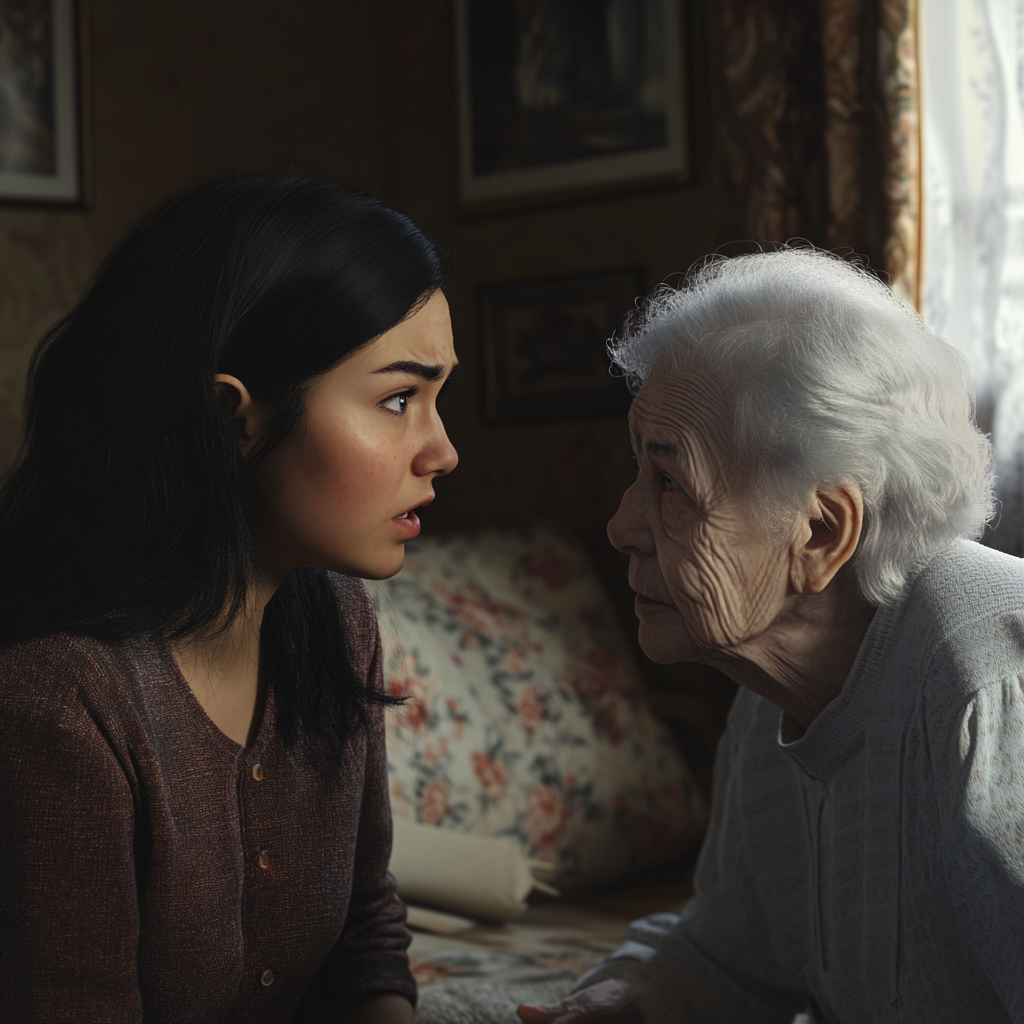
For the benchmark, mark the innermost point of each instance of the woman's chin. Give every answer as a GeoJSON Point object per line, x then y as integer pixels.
{"type": "Point", "coordinates": [665, 646]}
{"type": "Point", "coordinates": [369, 565]}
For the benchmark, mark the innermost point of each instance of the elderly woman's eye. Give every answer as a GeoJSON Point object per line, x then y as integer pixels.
{"type": "Point", "coordinates": [669, 484]}
{"type": "Point", "coordinates": [397, 403]}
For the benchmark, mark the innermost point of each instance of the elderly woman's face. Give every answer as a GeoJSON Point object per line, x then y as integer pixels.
{"type": "Point", "coordinates": [707, 577]}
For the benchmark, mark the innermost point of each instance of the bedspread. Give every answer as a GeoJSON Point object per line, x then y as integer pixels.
{"type": "Point", "coordinates": [479, 976]}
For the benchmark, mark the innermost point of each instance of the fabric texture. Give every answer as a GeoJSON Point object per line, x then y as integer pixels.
{"type": "Point", "coordinates": [873, 867]}
{"type": "Point", "coordinates": [152, 869]}
{"type": "Point", "coordinates": [480, 976]}
{"type": "Point", "coordinates": [818, 128]}
{"type": "Point", "coordinates": [527, 717]}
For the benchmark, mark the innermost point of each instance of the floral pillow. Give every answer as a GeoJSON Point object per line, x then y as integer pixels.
{"type": "Point", "coordinates": [526, 716]}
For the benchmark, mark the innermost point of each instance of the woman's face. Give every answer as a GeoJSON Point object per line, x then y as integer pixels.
{"type": "Point", "coordinates": [708, 577]}
{"type": "Point", "coordinates": [344, 485]}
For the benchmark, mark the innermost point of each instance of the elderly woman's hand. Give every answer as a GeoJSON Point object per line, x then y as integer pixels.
{"type": "Point", "coordinates": [607, 1002]}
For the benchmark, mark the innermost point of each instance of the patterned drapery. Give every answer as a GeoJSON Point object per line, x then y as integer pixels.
{"type": "Point", "coordinates": [819, 127]}
{"type": "Point", "coordinates": [895, 129]}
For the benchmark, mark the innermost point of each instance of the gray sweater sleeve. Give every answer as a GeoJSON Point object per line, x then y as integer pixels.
{"type": "Point", "coordinates": [976, 740]}
{"type": "Point", "coordinates": [712, 962]}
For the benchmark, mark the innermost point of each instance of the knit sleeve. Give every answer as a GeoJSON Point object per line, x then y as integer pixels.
{"type": "Point", "coordinates": [976, 747]}
{"type": "Point", "coordinates": [369, 959]}
{"type": "Point", "coordinates": [713, 963]}
{"type": "Point", "coordinates": [69, 921]}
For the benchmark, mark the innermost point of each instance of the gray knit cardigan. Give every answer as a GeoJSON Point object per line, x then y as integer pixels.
{"type": "Point", "coordinates": [873, 870]}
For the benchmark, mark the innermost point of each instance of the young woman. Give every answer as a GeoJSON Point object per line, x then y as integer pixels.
{"type": "Point", "coordinates": [237, 419]}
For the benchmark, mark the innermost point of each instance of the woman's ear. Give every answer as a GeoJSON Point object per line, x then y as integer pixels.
{"type": "Point", "coordinates": [246, 415]}
{"type": "Point", "coordinates": [828, 536]}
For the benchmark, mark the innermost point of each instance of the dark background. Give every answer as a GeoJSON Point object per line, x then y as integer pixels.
{"type": "Point", "coordinates": [361, 92]}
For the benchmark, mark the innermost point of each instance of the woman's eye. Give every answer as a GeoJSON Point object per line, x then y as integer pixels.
{"type": "Point", "coordinates": [396, 403]}
{"type": "Point", "coordinates": [669, 484]}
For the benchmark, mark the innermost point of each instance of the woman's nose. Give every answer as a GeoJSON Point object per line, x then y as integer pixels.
{"type": "Point", "coordinates": [438, 456]}
{"type": "Point", "coordinates": [627, 529]}
{"type": "Point", "coordinates": [449, 458]}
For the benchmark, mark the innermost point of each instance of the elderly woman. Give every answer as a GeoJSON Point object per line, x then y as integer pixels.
{"type": "Point", "coordinates": [810, 478]}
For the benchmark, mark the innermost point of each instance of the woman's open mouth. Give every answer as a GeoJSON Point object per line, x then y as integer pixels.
{"type": "Point", "coordinates": [408, 523]}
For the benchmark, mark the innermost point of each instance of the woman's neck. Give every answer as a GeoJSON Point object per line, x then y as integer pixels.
{"type": "Point", "coordinates": [802, 660]}
{"type": "Point", "coordinates": [224, 672]}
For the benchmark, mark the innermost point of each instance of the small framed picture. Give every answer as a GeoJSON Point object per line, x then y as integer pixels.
{"type": "Point", "coordinates": [558, 99]}
{"type": "Point", "coordinates": [543, 344]}
{"type": "Point", "coordinates": [41, 102]}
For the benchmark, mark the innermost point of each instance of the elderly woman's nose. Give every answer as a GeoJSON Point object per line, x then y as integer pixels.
{"type": "Point", "coordinates": [627, 529]}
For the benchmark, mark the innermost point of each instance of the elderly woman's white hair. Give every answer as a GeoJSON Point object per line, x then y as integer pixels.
{"type": "Point", "coordinates": [834, 378]}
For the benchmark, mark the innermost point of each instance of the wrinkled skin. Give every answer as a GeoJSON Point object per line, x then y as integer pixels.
{"type": "Point", "coordinates": [775, 609]}
{"type": "Point", "coordinates": [713, 579]}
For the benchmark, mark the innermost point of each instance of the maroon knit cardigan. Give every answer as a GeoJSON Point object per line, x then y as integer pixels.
{"type": "Point", "coordinates": [152, 870]}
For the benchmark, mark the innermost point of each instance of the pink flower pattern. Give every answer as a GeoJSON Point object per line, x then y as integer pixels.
{"type": "Point", "coordinates": [435, 801]}
{"type": "Point", "coordinates": [491, 774]}
{"type": "Point", "coordinates": [547, 819]}
{"type": "Point", "coordinates": [530, 708]}
{"type": "Point", "coordinates": [527, 716]}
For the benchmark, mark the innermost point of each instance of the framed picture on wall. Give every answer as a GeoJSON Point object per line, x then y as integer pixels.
{"type": "Point", "coordinates": [41, 102]}
{"type": "Point", "coordinates": [543, 344]}
{"type": "Point", "coordinates": [564, 98]}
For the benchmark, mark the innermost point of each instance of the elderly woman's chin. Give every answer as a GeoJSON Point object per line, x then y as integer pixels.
{"type": "Point", "coordinates": [663, 637]}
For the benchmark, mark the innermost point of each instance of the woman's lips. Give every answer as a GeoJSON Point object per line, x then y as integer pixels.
{"type": "Point", "coordinates": [642, 601]}
{"type": "Point", "coordinates": [409, 524]}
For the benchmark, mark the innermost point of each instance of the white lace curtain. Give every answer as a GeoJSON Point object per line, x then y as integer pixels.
{"type": "Point", "coordinates": [971, 55]}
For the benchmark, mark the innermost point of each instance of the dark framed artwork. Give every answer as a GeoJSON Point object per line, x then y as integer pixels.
{"type": "Point", "coordinates": [41, 101]}
{"type": "Point", "coordinates": [543, 344]}
{"type": "Point", "coordinates": [561, 98]}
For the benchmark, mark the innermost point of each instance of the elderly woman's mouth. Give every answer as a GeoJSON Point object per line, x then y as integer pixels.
{"type": "Point", "coordinates": [643, 601]}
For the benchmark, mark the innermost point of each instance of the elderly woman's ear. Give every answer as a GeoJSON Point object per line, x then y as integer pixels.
{"type": "Point", "coordinates": [827, 537]}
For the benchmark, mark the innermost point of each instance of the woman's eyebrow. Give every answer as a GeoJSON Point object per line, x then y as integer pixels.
{"type": "Point", "coordinates": [450, 381]}
{"type": "Point", "coordinates": [416, 369]}
{"type": "Point", "coordinates": [660, 448]}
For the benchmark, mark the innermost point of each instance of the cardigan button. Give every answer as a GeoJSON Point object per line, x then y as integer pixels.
{"type": "Point", "coordinates": [257, 774]}
{"type": "Point", "coordinates": [264, 859]}
{"type": "Point", "coordinates": [267, 978]}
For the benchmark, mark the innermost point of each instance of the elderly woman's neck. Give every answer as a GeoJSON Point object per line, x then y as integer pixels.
{"type": "Point", "coordinates": [802, 660]}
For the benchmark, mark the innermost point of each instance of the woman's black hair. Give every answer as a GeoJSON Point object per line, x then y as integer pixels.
{"type": "Point", "coordinates": [128, 512]}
